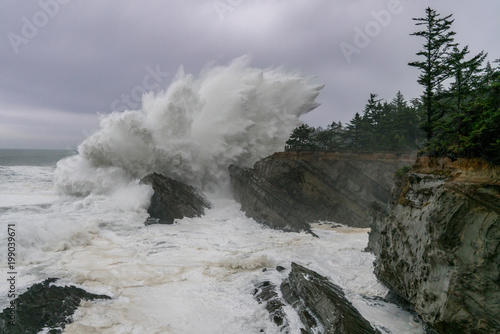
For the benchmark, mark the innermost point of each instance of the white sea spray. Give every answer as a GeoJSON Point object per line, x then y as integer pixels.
{"type": "Point", "coordinates": [193, 130]}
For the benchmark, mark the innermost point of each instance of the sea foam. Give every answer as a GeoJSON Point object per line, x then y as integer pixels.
{"type": "Point", "coordinates": [193, 130]}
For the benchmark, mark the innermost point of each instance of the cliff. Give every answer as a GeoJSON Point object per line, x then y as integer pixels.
{"type": "Point", "coordinates": [439, 247]}
{"type": "Point", "coordinates": [288, 190]}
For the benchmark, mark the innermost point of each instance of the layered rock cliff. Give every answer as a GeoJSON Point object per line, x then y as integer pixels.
{"type": "Point", "coordinates": [288, 190]}
{"type": "Point", "coordinates": [439, 249]}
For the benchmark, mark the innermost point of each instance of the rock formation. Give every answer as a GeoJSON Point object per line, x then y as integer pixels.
{"type": "Point", "coordinates": [265, 292]}
{"type": "Point", "coordinates": [321, 305]}
{"type": "Point", "coordinates": [173, 199]}
{"type": "Point", "coordinates": [44, 306]}
{"type": "Point", "coordinates": [440, 247]}
{"type": "Point", "coordinates": [289, 190]}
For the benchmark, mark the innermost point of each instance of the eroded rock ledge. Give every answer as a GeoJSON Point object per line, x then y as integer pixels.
{"type": "Point", "coordinates": [289, 190]}
{"type": "Point", "coordinates": [439, 249]}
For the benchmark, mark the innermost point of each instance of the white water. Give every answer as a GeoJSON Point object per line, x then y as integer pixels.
{"type": "Point", "coordinates": [194, 130]}
{"type": "Point", "coordinates": [198, 275]}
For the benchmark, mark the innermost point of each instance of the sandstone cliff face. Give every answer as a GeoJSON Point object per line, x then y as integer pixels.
{"type": "Point", "coordinates": [439, 248]}
{"type": "Point", "coordinates": [289, 190]}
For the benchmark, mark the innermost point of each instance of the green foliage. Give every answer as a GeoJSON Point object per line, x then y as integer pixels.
{"type": "Point", "coordinates": [463, 119]}
{"type": "Point", "coordinates": [457, 115]}
{"type": "Point", "coordinates": [390, 127]}
{"type": "Point", "coordinates": [302, 138]}
{"type": "Point", "coordinates": [402, 172]}
{"type": "Point", "coordinates": [438, 39]}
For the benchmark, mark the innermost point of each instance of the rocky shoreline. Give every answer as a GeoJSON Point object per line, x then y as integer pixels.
{"type": "Point", "coordinates": [435, 232]}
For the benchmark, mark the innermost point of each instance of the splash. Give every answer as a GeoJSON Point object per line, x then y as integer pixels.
{"type": "Point", "coordinates": [193, 130]}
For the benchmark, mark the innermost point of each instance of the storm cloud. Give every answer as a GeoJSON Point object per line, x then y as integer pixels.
{"type": "Point", "coordinates": [63, 62]}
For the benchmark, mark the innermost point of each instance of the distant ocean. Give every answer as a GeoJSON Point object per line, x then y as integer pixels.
{"type": "Point", "coordinates": [21, 157]}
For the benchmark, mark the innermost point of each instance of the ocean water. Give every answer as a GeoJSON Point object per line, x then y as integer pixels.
{"type": "Point", "coordinates": [82, 219]}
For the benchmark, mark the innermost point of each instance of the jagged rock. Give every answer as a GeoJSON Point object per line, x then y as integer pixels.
{"type": "Point", "coordinates": [44, 306]}
{"type": "Point", "coordinates": [439, 248]}
{"type": "Point", "coordinates": [289, 190]}
{"type": "Point", "coordinates": [173, 200]}
{"type": "Point", "coordinates": [321, 305]}
{"type": "Point", "coordinates": [265, 292]}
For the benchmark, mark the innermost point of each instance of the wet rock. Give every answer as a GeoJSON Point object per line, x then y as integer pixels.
{"type": "Point", "coordinates": [321, 305]}
{"type": "Point", "coordinates": [173, 200]}
{"type": "Point", "coordinates": [309, 321]}
{"type": "Point", "coordinates": [287, 192]}
{"type": "Point", "coordinates": [439, 248]}
{"type": "Point", "coordinates": [265, 292]}
{"type": "Point", "coordinates": [44, 306]}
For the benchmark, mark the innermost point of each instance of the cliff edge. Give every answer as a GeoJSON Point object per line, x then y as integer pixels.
{"type": "Point", "coordinates": [439, 249]}
{"type": "Point", "coordinates": [288, 190]}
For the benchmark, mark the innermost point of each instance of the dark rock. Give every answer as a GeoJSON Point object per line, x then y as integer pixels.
{"type": "Point", "coordinates": [439, 248]}
{"type": "Point", "coordinates": [265, 292]}
{"type": "Point", "coordinates": [321, 303]}
{"type": "Point", "coordinates": [44, 306]}
{"type": "Point", "coordinates": [288, 192]}
{"type": "Point", "coordinates": [173, 200]}
{"type": "Point", "coordinates": [280, 268]}
{"type": "Point", "coordinates": [292, 298]}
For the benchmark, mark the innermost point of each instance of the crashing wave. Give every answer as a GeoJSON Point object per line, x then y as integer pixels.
{"type": "Point", "coordinates": [193, 130]}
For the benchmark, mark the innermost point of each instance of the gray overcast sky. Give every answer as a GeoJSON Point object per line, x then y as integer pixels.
{"type": "Point", "coordinates": [64, 61]}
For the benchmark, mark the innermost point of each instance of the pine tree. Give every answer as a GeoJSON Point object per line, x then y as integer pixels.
{"type": "Point", "coordinates": [466, 74]}
{"type": "Point", "coordinates": [438, 40]}
{"type": "Point", "coordinates": [300, 138]}
{"type": "Point", "coordinates": [354, 132]}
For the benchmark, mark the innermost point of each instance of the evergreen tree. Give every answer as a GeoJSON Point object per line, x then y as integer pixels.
{"type": "Point", "coordinates": [466, 73]}
{"type": "Point", "coordinates": [438, 39]}
{"type": "Point", "coordinates": [300, 138]}
{"type": "Point", "coordinates": [354, 133]}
